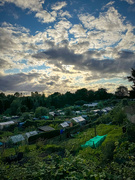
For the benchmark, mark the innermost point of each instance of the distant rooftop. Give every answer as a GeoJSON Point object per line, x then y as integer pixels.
{"type": "Point", "coordinates": [91, 105]}
{"type": "Point", "coordinates": [78, 119]}
{"type": "Point", "coordinates": [64, 124]}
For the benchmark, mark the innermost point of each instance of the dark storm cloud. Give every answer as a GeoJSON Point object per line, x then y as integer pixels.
{"type": "Point", "coordinates": [4, 64]}
{"type": "Point", "coordinates": [32, 81]}
{"type": "Point", "coordinates": [17, 82]}
{"type": "Point", "coordinates": [51, 83]}
{"type": "Point", "coordinates": [6, 42]}
{"type": "Point", "coordinates": [59, 54]}
{"type": "Point", "coordinates": [87, 60]}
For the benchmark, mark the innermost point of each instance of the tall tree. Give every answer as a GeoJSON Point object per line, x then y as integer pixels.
{"type": "Point", "coordinates": [101, 94]}
{"type": "Point", "coordinates": [121, 91]}
{"type": "Point", "coordinates": [132, 79]}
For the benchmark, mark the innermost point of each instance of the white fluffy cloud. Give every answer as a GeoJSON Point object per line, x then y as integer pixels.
{"type": "Point", "coordinates": [78, 31]}
{"type": "Point", "coordinates": [46, 17]}
{"type": "Point", "coordinates": [34, 5]}
{"type": "Point", "coordinates": [94, 49]}
{"type": "Point", "coordinates": [65, 13]}
{"type": "Point", "coordinates": [129, 1]}
{"type": "Point", "coordinates": [108, 30]}
{"type": "Point", "coordinates": [59, 5]}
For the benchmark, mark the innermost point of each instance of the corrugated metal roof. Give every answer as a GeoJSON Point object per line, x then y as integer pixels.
{"type": "Point", "coordinates": [91, 105]}
{"type": "Point", "coordinates": [32, 133]}
{"type": "Point", "coordinates": [64, 124]}
{"type": "Point", "coordinates": [17, 138]}
{"type": "Point", "coordinates": [6, 123]}
{"type": "Point", "coordinates": [51, 113]}
{"type": "Point", "coordinates": [78, 119]}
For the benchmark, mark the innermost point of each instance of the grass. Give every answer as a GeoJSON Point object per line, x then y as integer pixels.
{"type": "Point", "coordinates": [113, 133]}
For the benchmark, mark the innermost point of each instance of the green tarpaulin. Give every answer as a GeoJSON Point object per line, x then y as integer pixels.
{"type": "Point", "coordinates": [94, 142]}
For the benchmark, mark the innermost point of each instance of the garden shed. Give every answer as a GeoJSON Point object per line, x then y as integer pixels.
{"type": "Point", "coordinates": [6, 124]}
{"type": "Point", "coordinates": [17, 138]}
{"type": "Point", "coordinates": [64, 124]}
{"type": "Point", "coordinates": [79, 120]}
{"type": "Point", "coordinates": [31, 133]}
{"type": "Point", "coordinates": [94, 142]}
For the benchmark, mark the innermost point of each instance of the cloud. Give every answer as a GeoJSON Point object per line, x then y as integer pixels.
{"type": "Point", "coordinates": [4, 64]}
{"type": "Point", "coordinates": [107, 21]}
{"type": "Point", "coordinates": [60, 31]}
{"type": "Point", "coordinates": [129, 1]}
{"type": "Point", "coordinates": [109, 29]}
{"type": "Point", "coordinates": [59, 5]}
{"type": "Point", "coordinates": [34, 5]}
{"type": "Point", "coordinates": [78, 31]}
{"type": "Point", "coordinates": [89, 61]}
{"type": "Point", "coordinates": [64, 13]}
{"type": "Point", "coordinates": [46, 17]}
{"type": "Point", "coordinates": [81, 47]}
{"type": "Point", "coordinates": [108, 5]}
{"type": "Point", "coordinates": [32, 81]}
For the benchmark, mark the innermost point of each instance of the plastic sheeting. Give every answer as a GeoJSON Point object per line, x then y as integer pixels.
{"type": "Point", "coordinates": [94, 142]}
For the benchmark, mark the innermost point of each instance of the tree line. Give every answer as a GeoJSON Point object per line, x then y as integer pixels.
{"type": "Point", "coordinates": [17, 103]}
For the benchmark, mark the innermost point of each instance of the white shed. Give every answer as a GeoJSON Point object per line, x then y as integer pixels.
{"type": "Point", "coordinates": [31, 133]}
{"type": "Point", "coordinates": [17, 138]}
{"type": "Point", "coordinates": [6, 124]}
{"type": "Point", "coordinates": [78, 119]}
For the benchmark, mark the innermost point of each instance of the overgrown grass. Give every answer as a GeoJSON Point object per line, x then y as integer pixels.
{"type": "Point", "coordinates": [113, 133]}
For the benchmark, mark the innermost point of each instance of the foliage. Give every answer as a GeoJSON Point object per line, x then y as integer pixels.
{"type": "Point", "coordinates": [119, 117]}
{"type": "Point", "coordinates": [37, 123]}
{"type": "Point", "coordinates": [26, 116]}
{"type": "Point", "coordinates": [121, 91]}
{"type": "Point", "coordinates": [132, 79]}
{"type": "Point", "coordinates": [114, 159]}
{"type": "Point", "coordinates": [107, 151]}
{"type": "Point", "coordinates": [45, 135]}
{"type": "Point", "coordinates": [68, 111]}
{"type": "Point", "coordinates": [17, 104]}
{"type": "Point", "coordinates": [131, 132]}
{"type": "Point", "coordinates": [64, 158]}
{"type": "Point", "coordinates": [41, 111]}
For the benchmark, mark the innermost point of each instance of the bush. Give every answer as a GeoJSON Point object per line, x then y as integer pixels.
{"type": "Point", "coordinates": [41, 111]}
{"type": "Point", "coordinates": [51, 148]}
{"type": "Point", "coordinates": [107, 151]}
{"type": "Point", "coordinates": [42, 122]}
{"type": "Point", "coordinates": [131, 132]}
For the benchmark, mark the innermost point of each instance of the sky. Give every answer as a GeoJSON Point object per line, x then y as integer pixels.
{"type": "Point", "coordinates": [58, 46]}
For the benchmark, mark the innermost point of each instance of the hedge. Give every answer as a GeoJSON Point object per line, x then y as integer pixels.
{"type": "Point", "coordinates": [41, 122]}
{"type": "Point", "coordinates": [72, 128]}
{"type": "Point", "coordinates": [45, 135]}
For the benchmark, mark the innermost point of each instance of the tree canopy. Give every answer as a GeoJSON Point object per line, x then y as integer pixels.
{"type": "Point", "coordinates": [132, 79]}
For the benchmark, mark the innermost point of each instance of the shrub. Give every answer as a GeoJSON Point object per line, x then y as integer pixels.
{"type": "Point", "coordinates": [107, 151]}
{"type": "Point", "coordinates": [52, 148]}
{"type": "Point", "coordinates": [41, 111]}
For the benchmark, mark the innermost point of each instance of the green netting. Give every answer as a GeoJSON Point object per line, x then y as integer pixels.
{"type": "Point", "coordinates": [94, 142]}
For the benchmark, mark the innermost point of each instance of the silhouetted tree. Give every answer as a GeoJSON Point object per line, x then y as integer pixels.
{"type": "Point", "coordinates": [121, 91]}
{"type": "Point", "coordinates": [132, 79]}
{"type": "Point", "coordinates": [101, 94]}
{"type": "Point", "coordinates": [81, 94]}
{"type": "Point", "coordinates": [17, 94]}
